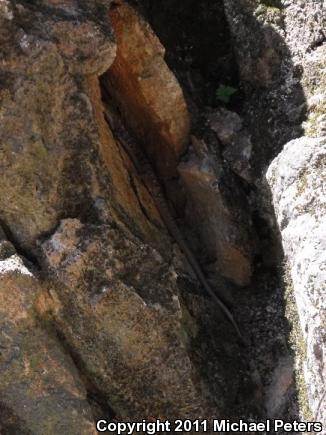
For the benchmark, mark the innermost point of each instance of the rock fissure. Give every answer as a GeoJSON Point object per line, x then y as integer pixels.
{"type": "Point", "coordinates": [150, 180]}
{"type": "Point", "coordinates": [28, 257]}
{"type": "Point", "coordinates": [214, 138]}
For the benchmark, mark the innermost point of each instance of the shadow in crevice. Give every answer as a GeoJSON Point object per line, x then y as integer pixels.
{"type": "Point", "coordinates": [274, 104]}
{"type": "Point", "coordinates": [251, 55]}
{"type": "Point", "coordinates": [29, 259]}
{"type": "Point", "coordinates": [273, 110]}
{"type": "Point", "coordinates": [198, 47]}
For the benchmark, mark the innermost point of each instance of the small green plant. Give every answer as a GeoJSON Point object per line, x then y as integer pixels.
{"type": "Point", "coordinates": [224, 93]}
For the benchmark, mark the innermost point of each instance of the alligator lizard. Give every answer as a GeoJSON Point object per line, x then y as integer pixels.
{"type": "Point", "coordinates": [148, 177]}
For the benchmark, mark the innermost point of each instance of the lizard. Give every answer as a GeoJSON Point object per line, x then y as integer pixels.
{"type": "Point", "coordinates": [150, 181]}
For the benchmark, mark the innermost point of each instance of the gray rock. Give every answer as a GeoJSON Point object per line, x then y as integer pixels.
{"type": "Point", "coordinates": [297, 181]}
{"type": "Point", "coordinates": [280, 49]}
{"type": "Point", "coordinates": [226, 124]}
{"type": "Point", "coordinates": [236, 140]}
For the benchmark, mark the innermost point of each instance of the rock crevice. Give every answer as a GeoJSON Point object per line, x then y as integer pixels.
{"type": "Point", "coordinates": [100, 311]}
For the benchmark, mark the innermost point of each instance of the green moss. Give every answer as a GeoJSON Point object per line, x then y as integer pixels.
{"type": "Point", "coordinates": [224, 93]}
{"type": "Point", "coordinates": [298, 346]}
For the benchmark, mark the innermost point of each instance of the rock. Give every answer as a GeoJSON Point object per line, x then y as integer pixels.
{"type": "Point", "coordinates": [46, 118]}
{"type": "Point", "coordinates": [236, 140]}
{"type": "Point", "coordinates": [297, 181]}
{"type": "Point", "coordinates": [226, 124]}
{"type": "Point", "coordinates": [239, 155]}
{"type": "Point", "coordinates": [147, 92]}
{"type": "Point", "coordinates": [280, 50]}
{"type": "Point", "coordinates": [130, 201]}
{"type": "Point", "coordinates": [257, 31]}
{"type": "Point", "coordinates": [224, 227]}
{"type": "Point", "coordinates": [274, 103]}
{"type": "Point", "coordinates": [279, 391]}
{"type": "Point", "coordinates": [121, 317]}
{"type": "Point", "coordinates": [306, 38]}
{"type": "Point", "coordinates": [70, 199]}
{"type": "Point", "coordinates": [40, 390]}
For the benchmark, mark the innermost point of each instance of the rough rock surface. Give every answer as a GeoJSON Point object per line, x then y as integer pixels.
{"type": "Point", "coordinates": [43, 111]}
{"type": "Point", "coordinates": [123, 305]}
{"type": "Point", "coordinates": [147, 92]}
{"type": "Point", "coordinates": [129, 199]}
{"type": "Point", "coordinates": [297, 179]}
{"type": "Point", "coordinates": [103, 314]}
{"type": "Point", "coordinates": [40, 389]}
{"type": "Point", "coordinates": [235, 139]}
{"type": "Point", "coordinates": [306, 38]}
{"type": "Point", "coordinates": [122, 318]}
{"type": "Point", "coordinates": [280, 48]}
{"type": "Point", "coordinates": [223, 224]}
{"type": "Point", "coordinates": [270, 78]}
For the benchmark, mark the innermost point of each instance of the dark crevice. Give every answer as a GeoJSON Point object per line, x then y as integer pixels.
{"type": "Point", "coordinates": [143, 209]}
{"type": "Point", "coordinates": [30, 259]}
{"type": "Point", "coordinates": [201, 66]}
{"type": "Point", "coordinates": [197, 42]}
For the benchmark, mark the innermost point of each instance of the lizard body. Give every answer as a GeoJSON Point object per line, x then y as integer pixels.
{"type": "Point", "coordinates": [146, 172]}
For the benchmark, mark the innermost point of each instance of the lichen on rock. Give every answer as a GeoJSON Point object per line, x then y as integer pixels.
{"type": "Point", "coordinates": [102, 314]}
{"type": "Point", "coordinates": [297, 181]}
{"type": "Point", "coordinates": [122, 318]}
{"type": "Point", "coordinates": [40, 389]}
{"type": "Point", "coordinates": [147, 92]}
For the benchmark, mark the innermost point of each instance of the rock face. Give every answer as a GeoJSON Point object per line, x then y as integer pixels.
{"type": "Point", "coordinates": [43, 110]}
{"type": "Point", "coordinates": [306, 37]}
{"type": "Point", "coordinates": [235, 139]}
{"type": "Point", "coordinates": [280, 48]}
{"type": "Point", "coordinates": [224, 225]}
{"type": "Point", "coordinates": [147, 92]}
{"type": "Point", "coordinates": [297, 180]}
{"type": "Point", "coordinates": [109, 318]}
{"type": "Point", "coordinates": [40, 390]}
{"type": "Point", "coordinates": [122, 317]}
{"type": "Point", "coordinates": [270, 77]}
{"type": "Point", "coordinates": [152, 104]}
{"type": "Point", "coordinates": [100, 313]}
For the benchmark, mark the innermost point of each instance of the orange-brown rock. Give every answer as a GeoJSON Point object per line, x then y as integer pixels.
{"type": "Point", "coordinates": [40, 390]}
{"type": "Point", "coordinates": [122, 318]}
{"type": "Point", "coordinates": [224, 228]}
{"type": "Point", "coordinates": [146, 90]}
{"type": "Point", "coordinates": [70, 198]}
{"type": "Point", "coordinates": [46, 118]}
{"type": "Point", "coordinates": [127, 190]}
